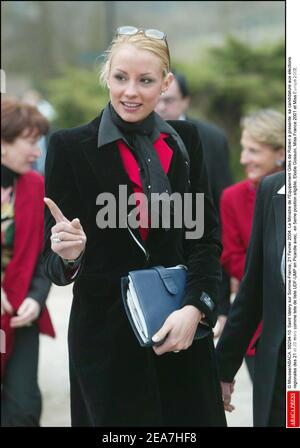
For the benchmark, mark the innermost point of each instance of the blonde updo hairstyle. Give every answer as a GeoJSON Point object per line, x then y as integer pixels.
{"type": "Point", "coordinates": [266, 126]}
{"type": "Point", "coordinates": [140, 41]}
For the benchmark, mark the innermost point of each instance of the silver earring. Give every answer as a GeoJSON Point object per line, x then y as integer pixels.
{"type": "Point", "coordinates": [279, 162]}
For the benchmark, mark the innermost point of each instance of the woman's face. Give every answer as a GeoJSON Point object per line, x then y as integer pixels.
{"type": "Point", "coordinates": [257, 158]}
{"type": "Point", "coordinates": [22, 152]}
{"type": "Point", "coordinates": [135, 82]}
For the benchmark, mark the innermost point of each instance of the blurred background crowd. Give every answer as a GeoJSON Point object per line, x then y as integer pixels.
{"type": "Point", "coordinates": [232, 53]}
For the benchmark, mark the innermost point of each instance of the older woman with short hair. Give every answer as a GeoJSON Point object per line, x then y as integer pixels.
{"type": "Point", "coordinates": [263, 153]}
{"type": "Point", "coordinates": [24, 287]}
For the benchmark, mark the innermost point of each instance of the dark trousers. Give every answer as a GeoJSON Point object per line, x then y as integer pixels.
{"type": "Point", "coordinates": [21, 402]}
{"type": "Point", "coordinates": [278, 407]}
{"type": "Point", "coordinates": [250, 363]}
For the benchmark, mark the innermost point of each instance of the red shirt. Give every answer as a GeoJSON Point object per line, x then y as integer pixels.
{"type": "Point", "coordinates": [164, 153]}
{"type": "Point", "coordinates": [237, 209]}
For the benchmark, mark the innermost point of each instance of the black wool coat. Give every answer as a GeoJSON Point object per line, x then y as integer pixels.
{"type": "Point", "coordinates": [114, 381]}
{"type": "Point", "coordinates": [216, 155]}
{"type": "Point", "coordinates": [261, 297]}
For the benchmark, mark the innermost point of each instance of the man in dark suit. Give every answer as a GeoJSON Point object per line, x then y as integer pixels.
{"type": "Point", "coordinates": [173, 105]}
{"type": "Point", "coordinates": [261, 297]}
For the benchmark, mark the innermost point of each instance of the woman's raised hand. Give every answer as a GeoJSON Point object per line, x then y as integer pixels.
{"type": "Point", "coordinates": [68, 239]}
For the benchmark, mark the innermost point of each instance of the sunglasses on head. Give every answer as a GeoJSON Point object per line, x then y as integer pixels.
{"type": "Point", "coordinates": [132, 30]}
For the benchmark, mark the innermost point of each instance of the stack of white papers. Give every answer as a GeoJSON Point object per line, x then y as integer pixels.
{"type": "Point", "coordinates": [136, 312]}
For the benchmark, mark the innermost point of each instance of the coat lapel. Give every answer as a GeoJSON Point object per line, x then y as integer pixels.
{"type": "Point", "coordinates": [109, 173]}
{"type": "Point", "coordinates": [107, 167]}
{"type": "Point", "coordinates": [104, 163]}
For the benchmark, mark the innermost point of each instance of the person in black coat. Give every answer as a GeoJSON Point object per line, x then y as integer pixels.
{"type": "Point", "coordinates": [115, 381]}
{"type": "Point", "coordinates": [173, 105]}
{"type": "Point", "coordinates": [261, 297]}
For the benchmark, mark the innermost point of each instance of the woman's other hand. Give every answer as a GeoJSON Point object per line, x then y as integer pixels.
{"type": "Point", "coordinates": [218, 330]}
{"type": "Point", "coordinates": [179, 330]}
{"type": "Point", "coordinates": [26, 314]}
{"type": "Point", "coordinates": [68, 239]}
{"type": "Point", "coordinates": [234, 287]}
{"type": "Point", "coordinates": [227, 391]}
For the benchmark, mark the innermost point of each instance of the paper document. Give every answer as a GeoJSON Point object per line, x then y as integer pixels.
{"type": "Point", "coordinates": [136, 312]}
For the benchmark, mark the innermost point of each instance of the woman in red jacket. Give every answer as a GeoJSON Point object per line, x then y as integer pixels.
{"type": "Point", "coordinates": [24, 287]}
{"type": "Point", "coordinates": [263, 153]}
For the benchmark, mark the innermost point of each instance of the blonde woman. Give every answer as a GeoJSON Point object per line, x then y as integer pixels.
{"type": "Point", "coordinates": [114, 381]}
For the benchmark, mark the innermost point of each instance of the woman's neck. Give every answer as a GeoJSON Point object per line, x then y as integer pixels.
{"type": "Point", "coordinates": [256, 182]}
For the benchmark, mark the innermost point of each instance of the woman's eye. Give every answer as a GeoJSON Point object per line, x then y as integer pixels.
{"type": "Point", "coordinates": [146, 81]}
{"type": "Point", "coordinates": [120, 77]}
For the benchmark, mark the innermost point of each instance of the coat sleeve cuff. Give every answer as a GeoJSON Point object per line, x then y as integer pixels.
{"type": "Point", "coordinates": [204, 304]}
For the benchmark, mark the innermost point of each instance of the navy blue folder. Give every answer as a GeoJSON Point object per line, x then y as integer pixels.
{"type": "Point", "coordinates": [150, 296]}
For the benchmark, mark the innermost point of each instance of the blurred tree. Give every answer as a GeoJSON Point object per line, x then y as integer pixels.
{"type": "Point", "coordinates": [97, 29]}
{"type": "Point", "coordinates": [110, 20]}
{"type": "Point", "coordinates": [45, 48]}
{"type": "Point", "coordinates": [40, 37]}
{"type": "Point", "coordinates": [76, 96]}
{"type": "Point", "coordinates": [233, 80]}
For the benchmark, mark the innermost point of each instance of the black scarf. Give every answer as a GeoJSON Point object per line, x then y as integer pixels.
{"type": "Point", "coordinates": [140, 136]}
{"type": "Point", "coordinates": [8, 176]}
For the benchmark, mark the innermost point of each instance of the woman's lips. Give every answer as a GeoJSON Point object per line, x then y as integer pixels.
{"type": "Point", "coordinates": [130, 107]}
